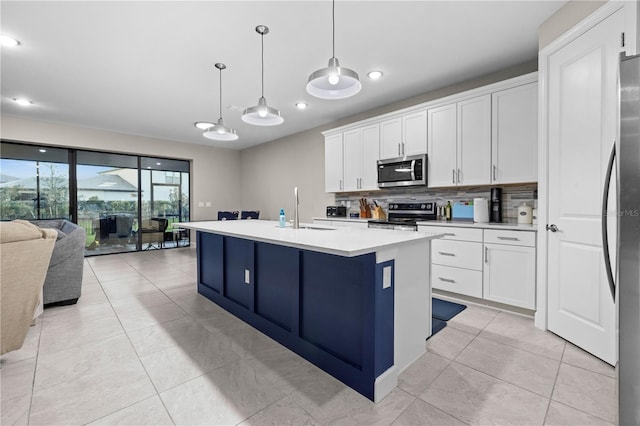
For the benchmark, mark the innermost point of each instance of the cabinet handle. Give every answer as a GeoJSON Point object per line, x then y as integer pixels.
{"type": "Point", "coordinates": [447, 280]}
{"type": "Point", "coordinates": [453, 179]}
{"type": "Point", "coordinates": [494, 172]}
{"type": "Point", "coordinates": [247, 276]}
{"type": "Point", "coordinates": [402, 148]}
{"type": "Point", "coordinates": [449, 234]}
{"type": "Point", "coordinates": [486, 254]}
{"type": "Point", "coordinates": [340, 184]}
{"type": "Point", "coordinates": [444, 253]}
{"type": "Point", "coordinates": [458, 175]}
{"type": "Point", "coordinates": [509, 238]}
{"type": "Point", "coordinates": [399, 154]}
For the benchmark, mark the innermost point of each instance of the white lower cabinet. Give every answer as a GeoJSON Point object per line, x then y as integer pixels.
{"type": "Point", "coordinates": [510, 272]}
{"type": "Point", "coordinates": [341, 223]}
{"type": "Point", "coordinates": [487, 264]}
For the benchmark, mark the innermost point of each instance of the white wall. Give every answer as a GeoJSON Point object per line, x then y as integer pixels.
{"type": "Point", "coordinates": [215, 172]}
{"type": "Point", "coordinates": [564, 19]}
{"type": "Point", "coordinates": [271, 170]}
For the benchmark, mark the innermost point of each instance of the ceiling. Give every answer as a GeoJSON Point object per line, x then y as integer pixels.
{"type": "Point", "coordinates": [147, 68]}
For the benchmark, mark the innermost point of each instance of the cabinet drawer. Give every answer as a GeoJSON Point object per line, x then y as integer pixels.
{"type": "Point", "coordinates": [516, 238]}
{"type": "Point", "coordinates": [456, 280]}
{"type": "Point", "coordinates": [461, 254]}
{"type": "Point", "coordinates": [453, 233]}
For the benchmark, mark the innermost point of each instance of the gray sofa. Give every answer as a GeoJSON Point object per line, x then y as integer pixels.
{"type": "Point", "coordinates": [63, 283]}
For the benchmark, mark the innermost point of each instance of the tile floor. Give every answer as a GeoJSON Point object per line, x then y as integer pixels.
{"type": "Point", "coordinates": [143, 348]}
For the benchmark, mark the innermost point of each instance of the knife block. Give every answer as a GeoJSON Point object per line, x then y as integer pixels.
{"type": "Point", "coordinates": [378, 213]}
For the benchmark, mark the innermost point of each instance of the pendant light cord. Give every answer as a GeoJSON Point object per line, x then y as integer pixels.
{"type": "Point", "coordinates": [220, 94]}
{"type": "Point", "coordinates": [333, 25]}
{"type": "Point", "coordinates": [262, 42]}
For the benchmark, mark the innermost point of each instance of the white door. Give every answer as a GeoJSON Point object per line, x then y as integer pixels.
{"type": "Point", "coordinates": [474, 141]}
{"type": "Point", "coordinates": [352, 143]}
{"type": "Point", "coordinates": [370, 156]}
{"type": "Point", "coordinates": [391, 138]}
{"type": "Point", "coordinates": [515, 135]}
{"type": "Point", "coordinates": [442, 146]}
{"type": "Point", "coordinates": [582, 116]}
{"type": "Point", "coordinates": [415, 133]}
{"type": "Point", "coordinates": [333, 177]}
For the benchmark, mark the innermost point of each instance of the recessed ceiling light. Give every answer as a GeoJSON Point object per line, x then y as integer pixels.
{"type": "Point", "coordinates": [22, 101]}
{"type": "Point", "coordinates": [301, 105]}
{"type": "Point", "coordinates": [42, 150]}
{"type": "Point", "coordinates": [148, 167]}
{"type": "Point", "coordinates": [7, 41]}
{"type": "Point", "coordinates": [203, 125]}
{"type": "Point", "coordinates": [158, 164]}
{"type": "Point", "coordinates": [374, 75]}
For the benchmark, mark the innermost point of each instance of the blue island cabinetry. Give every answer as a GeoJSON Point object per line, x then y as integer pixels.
{"type": "Point", "coordinates": [335, 311]}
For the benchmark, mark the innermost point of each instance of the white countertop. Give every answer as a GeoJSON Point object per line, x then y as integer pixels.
{"type": "Point", "coordinates": [512, 226]}
{"type": "Point", "coordinates": [343, 241]}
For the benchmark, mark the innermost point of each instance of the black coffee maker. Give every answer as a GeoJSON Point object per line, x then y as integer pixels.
{"type": "Point", "coordinates": [496, 204]}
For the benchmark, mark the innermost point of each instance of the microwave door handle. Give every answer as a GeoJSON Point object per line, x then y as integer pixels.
{"type": "Point", "coordinates": [413, 170]}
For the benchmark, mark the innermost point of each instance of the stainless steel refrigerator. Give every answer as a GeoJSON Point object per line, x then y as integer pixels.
{"type": "Point", "coordinates": [624, 278]}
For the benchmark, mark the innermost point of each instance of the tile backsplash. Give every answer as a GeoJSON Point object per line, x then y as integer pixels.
{"type": "Point", "coordinates": [512, 197]}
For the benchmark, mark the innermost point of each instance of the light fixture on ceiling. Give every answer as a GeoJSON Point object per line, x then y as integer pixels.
{"type": "Point", "coordinates": [219, 131]}
{"type": "Point", "coordinates": [262, 114]}
{"type": "Point", "coordinates": [22, 102]}
{"type": "Point", "coordinates": [374, 75]}
{"type": "Point", "coordinates": [334, 81]}
{"type": "Point", "coordinates": [203, 125]}
{"type": "Point", "coordinates": [42, 150]}
{"type": "Point", "coordinates": [7, 41]}
{"type": "Point", "coordinates": [301, 105]}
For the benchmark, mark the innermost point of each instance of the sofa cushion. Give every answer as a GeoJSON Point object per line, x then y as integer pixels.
{"type": "Point", "coordinates": [60, 235]}
{"type": "Point", "coordinates": [19, 230]}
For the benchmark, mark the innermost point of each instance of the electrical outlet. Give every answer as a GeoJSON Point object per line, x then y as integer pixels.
{"type": "Point", "coordinates": [386, 277]}
{"type": "Point", "coordinates": [207, 204]}
{"type": "Point", "coordinates": [200, 203]}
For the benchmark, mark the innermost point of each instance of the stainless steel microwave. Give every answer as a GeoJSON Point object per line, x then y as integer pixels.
{"type": "Point", "coordinates": [402, 171]}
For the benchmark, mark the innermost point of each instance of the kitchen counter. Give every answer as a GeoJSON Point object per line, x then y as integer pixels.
{"type": "Point", "coordinates": [343, 219]}
{"type": "Point", "coordinates": [511, 226]}
{"type": "Point", "coordinates": [355, 302]}
{"type": "Point", "coordinates": [342, 241]}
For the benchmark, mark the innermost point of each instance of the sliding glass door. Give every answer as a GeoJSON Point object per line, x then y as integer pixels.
{"type": "Point", "coordinates": [124, 202]}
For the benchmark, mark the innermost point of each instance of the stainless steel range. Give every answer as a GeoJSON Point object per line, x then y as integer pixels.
{"type": "Point", "coordinates": [403, 216]}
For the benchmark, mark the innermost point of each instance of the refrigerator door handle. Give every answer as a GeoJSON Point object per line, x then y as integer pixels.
{"type": "Point", "coordinates": [605, 232]}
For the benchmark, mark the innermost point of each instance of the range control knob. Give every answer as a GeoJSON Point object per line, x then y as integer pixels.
{"type": "Point", "coordinates": [423, 206]}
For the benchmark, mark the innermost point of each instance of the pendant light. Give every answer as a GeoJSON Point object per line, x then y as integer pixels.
{"type": "Point", "coordinates": [262, 114]}
{"type": "Point", "coordinates": [334, 81]}
{"type": "Point", "coordinates": [219, 131]}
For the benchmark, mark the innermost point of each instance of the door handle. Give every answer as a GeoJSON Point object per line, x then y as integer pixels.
{"type": "Point", "coordinates": [603, 222]}
{"type": "Point", "coordinates": [552, 228]}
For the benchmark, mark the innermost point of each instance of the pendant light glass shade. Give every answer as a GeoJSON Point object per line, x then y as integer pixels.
{"type": "Point", "coordinates": [262, 114]}
{"type": "Point", "coordinates": [219, 131]}
{"type": "Point", "coordinates": [334, 81]}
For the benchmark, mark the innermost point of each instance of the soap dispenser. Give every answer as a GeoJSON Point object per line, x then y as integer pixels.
{"type": "Point", "coordinates": [283, 222]}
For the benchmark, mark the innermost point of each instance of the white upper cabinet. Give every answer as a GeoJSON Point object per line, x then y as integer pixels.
{"type": "Point", "coordinates": [460, 143]}
{"type": "Point", "coordinates": [361, 152]}
{"type": "Point", "coordinates": [515, 135]}
{"type": "Point", "coordinates": [474, 141]}
{"type": "Point", "coordinates": [442, 136]}
{"type": "Point", "coordinates": [351, 160]}
{"type": "Point", "coordinates": [391, 138]}
{"type": "Point", "coordinates": [402, 136]}
{"type": "Point", "coordinates": [414, 128]}
{"type": "Point", "coordinates": [333, 163]}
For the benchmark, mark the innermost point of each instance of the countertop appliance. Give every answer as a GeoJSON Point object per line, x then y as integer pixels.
{"type": "Point", "coordinates": [403, 216]}
{"type": "Point", "coordinates": [336, 211]}
{"type": "Point", "coordinates": [402, 171]}
{"type": "Point", "coordinates": [627, 256]}
{"type": "Point", "coordinates": [496, 205]}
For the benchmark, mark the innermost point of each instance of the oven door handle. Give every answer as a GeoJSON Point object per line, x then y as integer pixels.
{"type": "Point", "coordinates": [413, 170]}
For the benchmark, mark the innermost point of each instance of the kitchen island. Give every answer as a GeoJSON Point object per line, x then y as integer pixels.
{"type": "Point", "coordinates": [354, 302]}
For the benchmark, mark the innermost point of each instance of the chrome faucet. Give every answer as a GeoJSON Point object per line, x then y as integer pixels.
{"type": "Point", "coordinates": [296, 217]}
